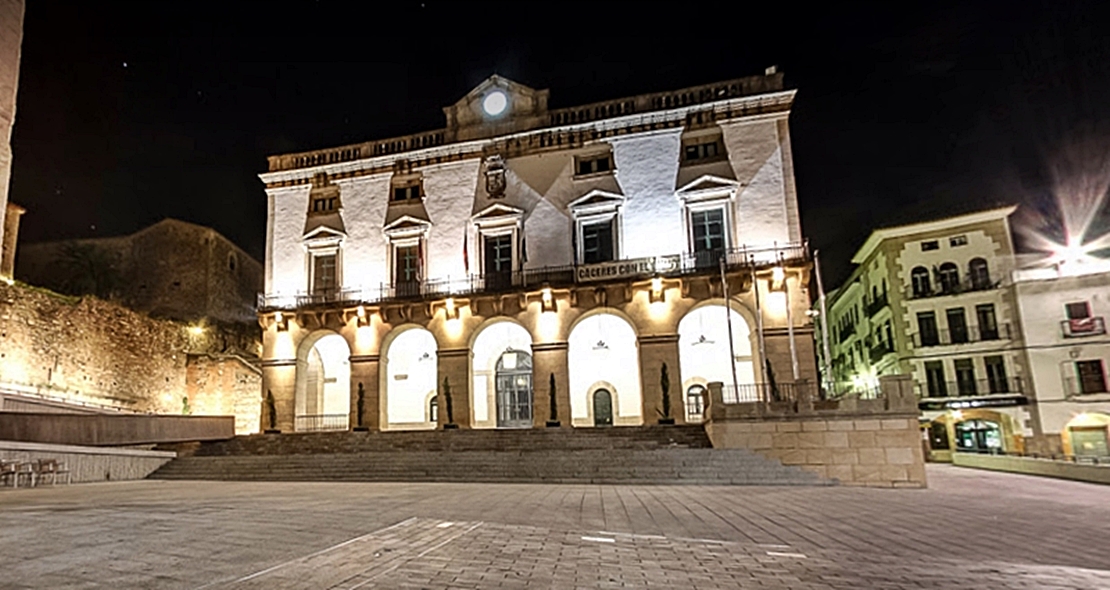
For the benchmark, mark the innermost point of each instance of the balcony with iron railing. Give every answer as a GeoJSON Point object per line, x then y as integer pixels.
{"type": "Point", "coordinates": [880, 350]}
{"type": "Point", "coordinates": [969, 335]}
{"type": "Point", "coordinates": [970, 387]}
{"type": "Point", "coordinates": [944, 288]}
{"type": "Point", "coordinates": [876, 304]}
{"type": "Point", "coordinates": [677, 265]}
{"type": "Point", "coordinates": [1081, 327]}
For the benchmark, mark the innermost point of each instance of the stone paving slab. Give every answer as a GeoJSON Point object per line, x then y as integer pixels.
{"type": "Point", "coordinates": [970, 529]}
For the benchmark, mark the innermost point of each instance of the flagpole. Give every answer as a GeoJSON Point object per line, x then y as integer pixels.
{"type": "Point", "coordinates": [827, 373]}
{"type": "Point", "coordinates": [728, 324]}
{"type": "Point", "coordinates": [759, 330]}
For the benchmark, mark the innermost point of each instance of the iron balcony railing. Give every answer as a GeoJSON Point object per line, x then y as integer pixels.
{"type": "Point", "coordinates": [877, 304]}
{"type": "Point", "coordinates": [549, 276]}
{"type": "Point", "coordinates": [846, 389]}
{"type": "Point", "coordinates": [961, 336]}
{"type": "Point", "coordinates": [878, 351]}
{"type": "Point", "coordinates": [320, 422]}
{"type": "Point", "coordinates": [970, 387]}
{"type": "Point", "coordinates": [939, 288]}
{"type": "Point", "coordinates": [761, 392]}
{"type": "Point", "coordinates": [1078, 328]}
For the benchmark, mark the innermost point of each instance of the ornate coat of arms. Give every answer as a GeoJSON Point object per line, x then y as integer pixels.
{"type": "Point", "coordinates": [495, 177]}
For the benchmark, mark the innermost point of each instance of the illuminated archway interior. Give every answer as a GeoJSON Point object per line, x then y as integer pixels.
{"type": "Point", "coordinates": [498, 344]}
{"type": "Point", "coordinates": [410, 380]}
{"type": "Point", "coordinates": [602, 354]}
{"type": "Point", "coordinates": [704, 352]}
{"type": "Point", "coordinates": [323, 393]}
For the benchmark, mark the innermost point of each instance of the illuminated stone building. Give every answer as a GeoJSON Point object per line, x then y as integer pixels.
{"type": "Point", "coordinates": [11, 41]}
{"type": "Point", "coordinates": [932, 300]}
{"type": "Point", "coordinates": [522, 247]}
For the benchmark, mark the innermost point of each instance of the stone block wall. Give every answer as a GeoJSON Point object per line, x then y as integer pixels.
{"type": "Point", "coordinates": [94, 351]}
{"type": "Point", "coordinates": [89, 464]}
{"type": "Point", "coordinates": [875, 443]}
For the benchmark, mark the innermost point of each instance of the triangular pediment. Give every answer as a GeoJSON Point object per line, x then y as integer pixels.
{"type": "Point", "coordinates": [512, 106]}
{"type": "Point", "coordinates": [406, 222]}
{"type": "Point", "coordinates": [597, 198]}
{"type": "Point", "coordinates": [496, 82]}
{"type": "Point", "coordinates": [497, 210]}
{"type": "Point", "coordinates": [707, 183]}
{"type": "Point", "coordinates": [324, 233]}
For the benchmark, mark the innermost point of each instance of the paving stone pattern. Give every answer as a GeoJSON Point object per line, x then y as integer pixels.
{"type": "Point", "coordinates": [971, 529]}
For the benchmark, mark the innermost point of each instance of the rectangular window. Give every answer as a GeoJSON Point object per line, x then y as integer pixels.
{"type": "Point", "coordinates": [1079, 310]}
{"type": "Point", "coordinates": [594, 165]}
{"type": "Point", "coordinates": [1092, 378]}
{"type": "Point", "coordinates": [957, 325]}
{"type": "Point", "coordinates": [323, 274]}
{"type": "Point", "coordinates": [406, 265]}
{"type": "Point", "coordinates": [929, 245]}
{"type": "Point", "coordinates": [499, 254]}
{"type": "Point", "coordinates": [708, 230]}
{"type": "Point", "coordinates": [934, 379]}
{"type": "Point", "coordinates": [406, 193]}
{"type": "Point", "coordinates": [597, 242]}
{"type": "Point", "coordinates": [927, 328]}
{"type": "Point", "coordinates": [996, 374]}
{"type": "Point", "coordinates": [323, 205]}
{"type": "Point", "coordinates": [702, 150]}
{"type": "Point", "coordinates": [965, 376]}
{"type": "Point", "coordinates": [956, 241]}
{"type": "Point", "coordinates": [988, 324]}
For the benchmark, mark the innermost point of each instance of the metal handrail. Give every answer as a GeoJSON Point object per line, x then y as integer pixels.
{"type": "Point", "coordinates": [320, 422]}
{"type": "Point", "coordinates": [1099, 460]}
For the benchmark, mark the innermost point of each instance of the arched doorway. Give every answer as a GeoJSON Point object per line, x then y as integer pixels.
{"type": "Point", "coordinates": [978, 436]}
{"type": "Point", "coordinates": [603, 408]}
{"type": "Point", "coordinates": [703, 348]}
{"type": "Point", "coordinates": [514, 389]}
{"type": "Point", "coordinates": [602, 351]}
{"type": "Point", "coordinates": [323, 386]}
{"type": "Point", "coordinates": [498, 377]}
{"type": "Point", "coordinates": [695, 403]}
{"type": "Point", "coordinates": [410, 378]}
{"type": "Point", "coordinates": [1087, 436]}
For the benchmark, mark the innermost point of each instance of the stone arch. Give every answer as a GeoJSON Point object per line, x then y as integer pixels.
{"type": "Point", "coordinates": [703, 343]}
{"type": "Point", "coordinates": [488, 344]}
{"type": "Point", "coordinates": [593, 389]}
{"type": "Point", "coordinates": [604, 347]}
{"type": "Point", "coordinates": [409, 373]}
{"type": "Point", "coordinates": [322, 390]}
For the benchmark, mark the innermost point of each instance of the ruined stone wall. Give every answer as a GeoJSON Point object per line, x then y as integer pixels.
{"type": "Point", "coordinates": [11, 40]}
{"type": "Point", "coordinates": [9, 235]}
{"type": "Point", "coordinates": [86, 349]}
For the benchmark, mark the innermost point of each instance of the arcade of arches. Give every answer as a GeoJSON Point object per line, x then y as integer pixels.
{"type": "Point", "coordinates": [602, 366]}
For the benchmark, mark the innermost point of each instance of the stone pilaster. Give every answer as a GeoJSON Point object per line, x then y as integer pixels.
{"type": "Point", "coordinates": [547, 359]}
{"type": "Point", "coordinates": [454, 365]}
{"type": "Point", "coordinates": [279, 377]}
{"type": "Point", "coordinates": [654, 351]}
{"type": "Point", "coordinates": [365, 370]}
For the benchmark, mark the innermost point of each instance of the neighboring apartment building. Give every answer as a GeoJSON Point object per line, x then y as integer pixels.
{"type": "Point", "coordinates": [1063, 315]}
{"type": "Point", "coordinates": [172, 269]}
{"type": "Point", "coordinates": [931, 300]}
{"type": "Point", "coordinates": [522, 255]}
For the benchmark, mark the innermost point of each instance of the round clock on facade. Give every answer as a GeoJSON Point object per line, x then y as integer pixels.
{"type": "Point", "coordinates": [495, 103]}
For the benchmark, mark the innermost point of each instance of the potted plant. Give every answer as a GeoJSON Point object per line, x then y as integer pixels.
{"type": "Point", "coordinates": [450, 424]}
{"type": "Point", "coordinates": [665, 386]}
{"type": "Point", "coordinates": [271, 410]}
{"type": "Point", "coordinates": [553, 422]}
{"type": "Point", "coordinates": [360, 407]}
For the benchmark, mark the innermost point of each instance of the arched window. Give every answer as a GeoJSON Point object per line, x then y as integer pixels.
{"type": "Point", "coordinates": [920, 277]}
{"type": "Point", "coordinates": [433, 409]}
{"type": "Point", "coordinates": [979, 274]}
{"type": "Point", "coordinates": [695, 403]}
{"type": "Point", "coordinates": [948, 278]}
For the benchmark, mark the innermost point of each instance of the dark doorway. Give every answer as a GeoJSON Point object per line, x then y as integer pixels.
{"type": "Point", "coordinates": [603, 408]}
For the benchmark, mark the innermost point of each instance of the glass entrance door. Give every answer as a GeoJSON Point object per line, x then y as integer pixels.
{"type": "Point", "coordinates": [514, 389]}
{"type": "Point", "coordinates": [1089, 442]}
{"type": "Point", "coordinates": [978, 436]}
{"type": "Point", "coordinates": [603, 408]}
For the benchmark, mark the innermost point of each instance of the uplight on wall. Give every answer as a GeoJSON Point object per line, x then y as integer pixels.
{"type": "Point", "coordinates": [281, 321]}
{"type": "Point", "coordinates": [548, 300]}
{"type": "Point", "coordinates": [657, 295]}
{"type": "Point", "coordinates": [362, 318]}
{"type": "Point", "coordinates": [451, 311]}
{"type": "Point", "coordinates": [778, 279]}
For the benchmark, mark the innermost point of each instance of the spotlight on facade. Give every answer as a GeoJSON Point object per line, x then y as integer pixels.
{"type": "Point", "coordinates": [450, 309]}
{"type": "Point", "coordinates": [196, 330]}
{"type": "Point", "coordinates": [281, 321]}
{"type": "Point", "coordinates": [657, 295]}
{"type": "Point", "coordinates": [778, 279]}
{"type": "Point", "coordinates": [957, 415]}
{"type": "Point", "coordinates": [548, 301]}
{"type": "Point", "coordinates": [361, 317]}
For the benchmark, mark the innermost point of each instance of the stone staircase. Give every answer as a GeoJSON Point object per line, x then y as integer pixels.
{"type": "Point", "coordinates": [642, 455]}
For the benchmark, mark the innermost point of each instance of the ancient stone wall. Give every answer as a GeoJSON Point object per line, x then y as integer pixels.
{"type": "Point", "coordinates": [89, 350]}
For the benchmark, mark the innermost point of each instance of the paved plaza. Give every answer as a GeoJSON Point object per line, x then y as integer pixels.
{"type": "Point", "coordinates": [971, 529]}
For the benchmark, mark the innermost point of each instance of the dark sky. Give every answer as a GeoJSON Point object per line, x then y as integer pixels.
{"type": "Point", "coordinates": [131, 112]}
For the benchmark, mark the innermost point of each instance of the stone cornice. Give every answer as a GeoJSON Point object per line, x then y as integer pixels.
{"type": "Point", "coordinates": [771, 105]}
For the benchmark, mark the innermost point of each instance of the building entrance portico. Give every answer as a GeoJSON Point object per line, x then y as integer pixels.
{"type": "Point", "coordinates": [322, 397]}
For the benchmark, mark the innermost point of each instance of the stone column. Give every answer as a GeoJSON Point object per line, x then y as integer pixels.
{"type": "Point", "coordinates": [547, 359]}
{"type": "Point", "coordinates": [454, 364]}
{"type": "Point", "coordinates": [364, 370]}
{"type": "Point", "coordinates": [654, 351]}
{"type": "Point", "coordinates": [279, 377]}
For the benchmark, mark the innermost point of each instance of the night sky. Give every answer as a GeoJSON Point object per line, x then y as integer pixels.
{"type": "Point", "coordinates": [134, 111]}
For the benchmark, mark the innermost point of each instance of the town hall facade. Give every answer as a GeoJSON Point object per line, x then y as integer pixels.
{"type": "Point", "coordinates": [593, 258]}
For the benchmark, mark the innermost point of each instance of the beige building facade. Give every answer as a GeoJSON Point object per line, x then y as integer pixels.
{"type": "Point", "coordinates": [933, 300]}
{"type": "Point", "coordinates": [529, 267]}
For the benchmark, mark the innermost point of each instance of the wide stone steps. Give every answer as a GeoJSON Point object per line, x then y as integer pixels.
{"type": "Point", "coordinates": [615, 466]}
{"type": "Point", "coordinates": [566, 439]}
